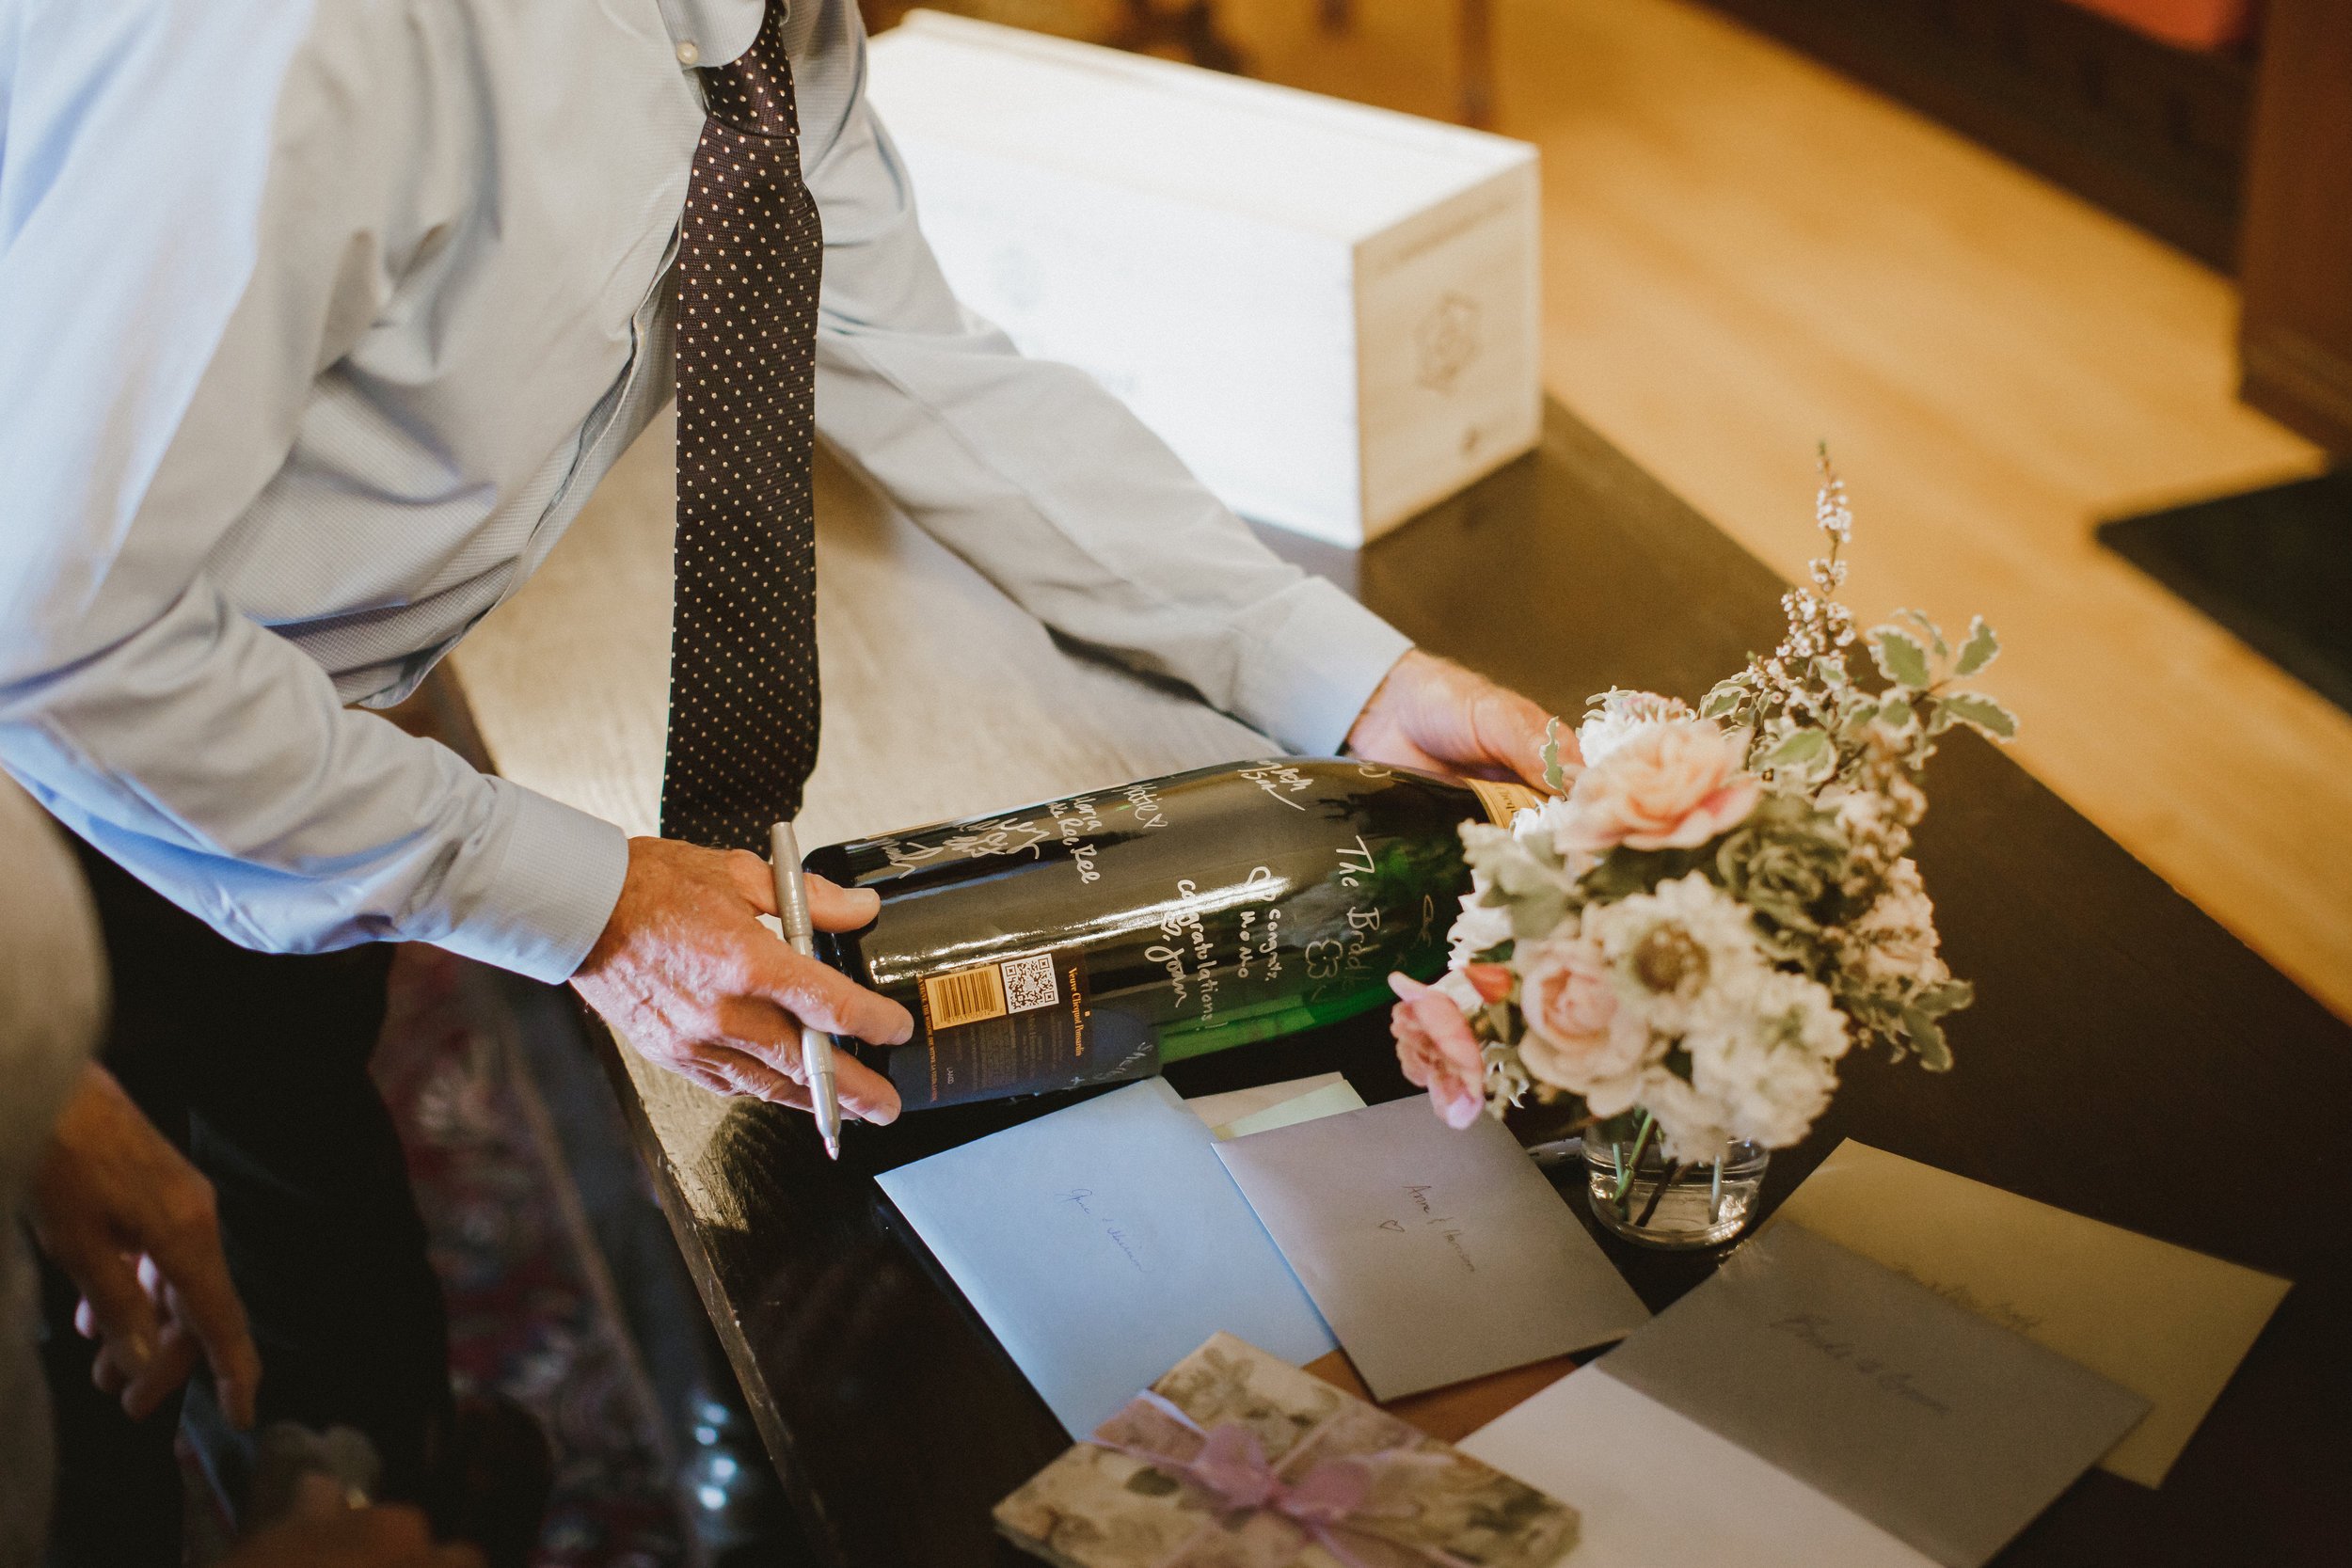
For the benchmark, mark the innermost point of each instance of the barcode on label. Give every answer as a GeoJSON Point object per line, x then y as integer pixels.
{"type": "Point", "coordinates": [966, 997]}
{"type": "Point", "coordinates": [1029, 983]}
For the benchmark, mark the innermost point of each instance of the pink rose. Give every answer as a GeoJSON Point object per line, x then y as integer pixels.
{"type": "Point", "coordinates": [1672, 787]}
{"type": "Point", "coordinates": [1435, 1048]}
{"type": "Point", "coordinates": [1575, 1037]}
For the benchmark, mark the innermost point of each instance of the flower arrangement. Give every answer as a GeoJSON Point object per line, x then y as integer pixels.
{"type": "Point", "coordinates": [1719, 904]}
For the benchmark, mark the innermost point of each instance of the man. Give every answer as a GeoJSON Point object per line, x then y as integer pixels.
{"type": "Point", "coordinates": [317, 326]}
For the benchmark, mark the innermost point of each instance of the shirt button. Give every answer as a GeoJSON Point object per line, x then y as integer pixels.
{"type": "Point", "coordinates": [688, 53]}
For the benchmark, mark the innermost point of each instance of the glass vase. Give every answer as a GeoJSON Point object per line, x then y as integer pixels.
{"type": "Point", "coordinates": [1641, 1195]}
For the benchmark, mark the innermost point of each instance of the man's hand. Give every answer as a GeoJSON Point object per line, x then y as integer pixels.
{"type": "Point", "coordinates": [325, 1532]}
{"type": "Point", "coordinates": [1432, 714]}
{"type": "Point", "coordinates": [690, 977]}
{"type": "Point", "coordinates": [132, 1223]}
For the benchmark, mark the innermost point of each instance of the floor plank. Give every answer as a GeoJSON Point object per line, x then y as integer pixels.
{"type": "Point", "coordinates": [1746, 253]}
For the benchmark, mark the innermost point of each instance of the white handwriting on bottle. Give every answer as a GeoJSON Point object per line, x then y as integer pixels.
{"type": "Point", "coordinates": [1007, 835]}
{"type": "Point", "coordinates": [1078, 1197]}
{"type": "Point", "coordinates": [1274, 778]}
{"type": "Point", "coordinates": [1077, 818]}
{"type": "Point", "coordinates": [1144, 803]}
{"type": "Point", "coordinates": [1255, 945]}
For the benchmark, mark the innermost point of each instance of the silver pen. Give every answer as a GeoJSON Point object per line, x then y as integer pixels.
{"type": "Point", "coordinates": [783, 863]}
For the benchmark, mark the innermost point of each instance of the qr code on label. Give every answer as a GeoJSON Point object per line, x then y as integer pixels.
{"type": "Point", "coordinates": [1029, 983]}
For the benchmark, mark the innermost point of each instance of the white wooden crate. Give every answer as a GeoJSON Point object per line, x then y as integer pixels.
{"type": "Point", "coordinates": [1329, 311]}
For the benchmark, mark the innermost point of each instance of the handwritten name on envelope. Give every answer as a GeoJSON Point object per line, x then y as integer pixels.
{"type": "Point", "coordinates": [1101, 1244]}
{"type": "Point", "coordinates": [1435, 1255]}
{"type": "Point", "coordinates": [1943, 1429]}
{"type": "Point", "coordinates": [2169, 1323]}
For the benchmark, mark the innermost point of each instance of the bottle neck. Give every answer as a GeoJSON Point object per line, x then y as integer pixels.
{"type": "Point", "coordinates": [1502, 802]}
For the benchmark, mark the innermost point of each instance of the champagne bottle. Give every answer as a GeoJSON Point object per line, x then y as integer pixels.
{"type": "Point", "coordinates": [1094, 938]}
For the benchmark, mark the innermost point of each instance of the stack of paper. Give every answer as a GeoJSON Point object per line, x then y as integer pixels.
{"type": "Point", "coordinates": [1806, 1406]}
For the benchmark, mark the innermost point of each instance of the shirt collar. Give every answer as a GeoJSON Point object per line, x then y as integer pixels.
{"type": "Point", "coordinates": [713, 32]}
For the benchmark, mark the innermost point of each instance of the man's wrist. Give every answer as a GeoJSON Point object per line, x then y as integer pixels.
{"type": "Point", "coordinates": [547, 900]}
{"type": "Point", "coordinates": [1315, 671]}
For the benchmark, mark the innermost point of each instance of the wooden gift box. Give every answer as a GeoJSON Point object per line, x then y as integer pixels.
{"type": "Point", "coordinates": [1328, 311]}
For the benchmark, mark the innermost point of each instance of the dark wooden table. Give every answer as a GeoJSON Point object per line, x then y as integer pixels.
{"type": "Point", "coordinates": [2128, 1059]}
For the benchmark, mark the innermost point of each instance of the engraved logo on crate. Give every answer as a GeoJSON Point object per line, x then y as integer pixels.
{"type": "Point", "coordinates": [1446, 342]}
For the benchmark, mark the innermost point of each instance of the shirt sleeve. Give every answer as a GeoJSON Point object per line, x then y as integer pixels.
{"type": "Point", "coordinates": [1042, 480]}
{"type": "Point", "coordinates": [203, 204]}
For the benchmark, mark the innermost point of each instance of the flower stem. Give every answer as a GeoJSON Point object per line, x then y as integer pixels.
{"type": "Point", "coordinates": [1629, 1165]}
{"type": "Point", "coordinates": [1674, 1174]}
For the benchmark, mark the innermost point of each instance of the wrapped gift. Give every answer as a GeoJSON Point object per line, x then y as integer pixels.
{"type": "Point", "coordinates": [1238, 1460]}
{"type": "Point", "coordinates": [1328, 311]}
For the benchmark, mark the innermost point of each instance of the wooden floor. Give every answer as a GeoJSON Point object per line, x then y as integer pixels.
{"type": "Point", "coordinates": [1745, 252]}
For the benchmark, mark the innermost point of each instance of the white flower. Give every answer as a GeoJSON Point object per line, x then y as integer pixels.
{"type": "Point", "coordinates": [1479, 926]}
{"type": "Point", "coordinates": [1675, 946]}
{"type": "Point", "coordinates": [1861, 814]}
{"type": "Point", "coordinates": [1895, 940]}
{"type": "Point", "coordinates": [1621, 716]}
{"type": "Point", "coordinates": [1762, 1067]}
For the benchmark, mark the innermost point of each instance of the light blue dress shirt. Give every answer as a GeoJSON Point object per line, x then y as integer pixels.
{"type": "Point", "coordinates": [319, 323]}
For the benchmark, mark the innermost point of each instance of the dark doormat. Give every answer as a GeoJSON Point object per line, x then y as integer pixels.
{"type": "Point", "coordinates": [2273, 565]}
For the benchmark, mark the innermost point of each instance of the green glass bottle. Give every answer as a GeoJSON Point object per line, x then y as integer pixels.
{"type": "Point", "coordinates": [1094, 938]}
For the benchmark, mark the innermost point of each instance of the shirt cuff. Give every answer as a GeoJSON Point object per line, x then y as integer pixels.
{"type": "Point", "coordinates": [552, 893]}
{"type": "Point", "coordinates": [1319, 658]}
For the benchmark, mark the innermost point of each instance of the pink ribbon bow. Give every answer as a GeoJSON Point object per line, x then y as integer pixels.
{"type": "Point", "coordinates": [1325, 1503]}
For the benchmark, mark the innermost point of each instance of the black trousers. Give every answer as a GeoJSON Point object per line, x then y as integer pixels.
{"type": "Point", "coordinates": [256, 1065]}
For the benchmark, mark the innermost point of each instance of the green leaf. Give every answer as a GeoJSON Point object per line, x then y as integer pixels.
{"type": "Point", "coordinates": [1981, 711]}
{"type": "Point", "coordinates": [1554, 779]}
{"type": "Point", "coordinates": [1980, 649]}
{"type": "Point", "coordinates": [1720, 701]}
{"type": "Point", "coordinates": [1895, 715]}
{"type": "Point", "coordinates": [1935, 633]}
{"type": "Point", "coordinates": [1949, 997]}
{"type": "Point", "coordinates": [1831, 670]}
{"type": "Point", "coordinates": [1858, 719]}
{"type": "Point", "coordinates": [1926, 1037]}
{"type": "Point", "coordinates": [1798, 752]}
{"type": "Point", "coordinates": [1900, 656]}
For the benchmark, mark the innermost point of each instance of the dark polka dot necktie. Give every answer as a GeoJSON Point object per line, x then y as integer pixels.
{"type": "Point", "coordinates": [743, 704]}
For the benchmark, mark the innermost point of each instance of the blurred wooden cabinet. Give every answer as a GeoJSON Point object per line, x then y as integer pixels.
{"type": "Point", "coordinates": [2294, 339]}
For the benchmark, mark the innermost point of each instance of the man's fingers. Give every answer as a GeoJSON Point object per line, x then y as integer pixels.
{"type": "Point", "coordinates": [746, 1074]}
{"type": "Point", "coordinates": [769, 1040]}
{"type": "Point", "coordinates": [196, 1274]}
{"type": "Point", "coordinates": [826, 999]}
{"type": "Point", "coordinates": [753, 879]}
{"type": "Point", "coordinates": [123, 1315]}
{"type": "Point", "coordinates": [174, 1359]}
{"type": "Point", "coordinates": [834, 908]}
{"type": "Point", "coordinates": [863, 1092]}
{"type": "Point", "coordinates": [1511, 730]}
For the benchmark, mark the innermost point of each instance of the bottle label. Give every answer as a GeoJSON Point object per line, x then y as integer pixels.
{"type": "Point", "coordinates": [1020, 1025]}
{"type": "Point", "coordinates": [1505, 801]}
